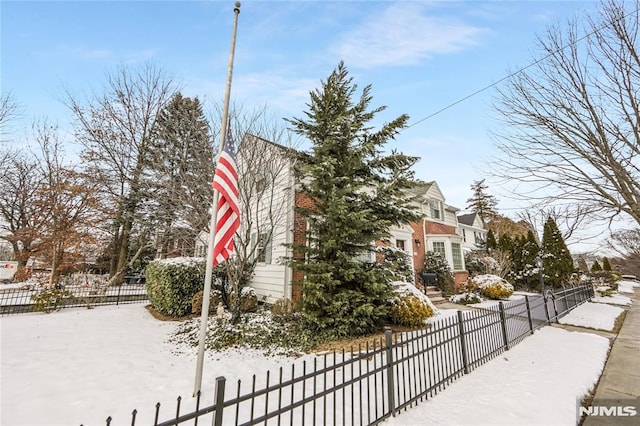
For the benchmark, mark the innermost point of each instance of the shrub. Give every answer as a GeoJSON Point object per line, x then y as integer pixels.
{"type": "Point", "coordinates": [410, 311]}
{"type": "Point", "coordinates": [248, 300]}
{"type": "Point", "coordinates": [466, 298]}
{"type": "Point", "coordinates": [172, 283]}
{"type": "Point", "coordinates": [49, 299]}
{"type": "Point", "coordinates": [283, 309]}
{"type": "Point", "coordinates": [493, 287]}
{"type": "Point", "coordinates": [215, 297]}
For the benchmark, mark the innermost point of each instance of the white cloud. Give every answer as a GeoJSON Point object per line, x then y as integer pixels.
{"type": "Point", "coordinates": [404, 34]}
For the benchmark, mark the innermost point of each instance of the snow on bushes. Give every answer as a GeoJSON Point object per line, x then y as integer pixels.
{"type": "Point", "coordinates": [466, 298]}
{"type": "Point", "coordinates": [410, 311]}
{"type": "Point", "coordinates": [403, 288]}
{"type": "Point", "coordinates": [411, 307]}
{"type": "Point", "coordinates": [492, 286]}
{"type": "Point", "coordinates": [172, 283]}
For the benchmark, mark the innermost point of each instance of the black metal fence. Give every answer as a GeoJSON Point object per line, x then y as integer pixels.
{"type": "Point", "coordinates": [367, 384]}
{"type": "Point", "coordinates": [76, 293]}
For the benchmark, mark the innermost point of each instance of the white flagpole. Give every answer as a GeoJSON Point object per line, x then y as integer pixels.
{"type": "Point", "coordinates": [214, 215]}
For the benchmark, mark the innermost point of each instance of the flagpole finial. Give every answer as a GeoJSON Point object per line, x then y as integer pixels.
{"type": "Point", "coordinates": [237, 8]}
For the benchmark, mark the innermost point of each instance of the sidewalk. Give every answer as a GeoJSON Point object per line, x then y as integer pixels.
{"type": "Point", "coordinates": [620, 381]}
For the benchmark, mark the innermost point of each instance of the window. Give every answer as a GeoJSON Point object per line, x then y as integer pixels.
{"type": "Point", "coordinates": [436, 209]}
{"type": "Point", "coordinates": [263, 247]}
{"type": "Point", "coordinates": [464, 235]}
{"type": "Point", "coordinates": [438, 247]}
{"type": "Point", "coordinates": [366, 256]}
{"type": "Point", "coordinates": [401, 244]}
{"type": "Point", "coordinates": [457, 256]}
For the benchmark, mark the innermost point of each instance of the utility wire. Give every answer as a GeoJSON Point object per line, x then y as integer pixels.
{"type": "Point", "coordinates": [544, 58]}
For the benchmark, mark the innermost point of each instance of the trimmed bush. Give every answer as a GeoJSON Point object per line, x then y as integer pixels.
{"type": "Point", "coordinates": [172, 283]}
{"type": "Point", "coordinates": [410, 311]}
{"type": "Point", "coordinates": [493, 287]}
{"type": "Point", "coordinates": [215, 297]}
{"type": "Point", "coordinates": [465, 298]}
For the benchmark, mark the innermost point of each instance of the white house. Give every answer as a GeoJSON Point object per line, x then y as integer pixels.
{"type": "Point", "coordinates": [471, 229]}
{"type": "Point", "coordinates": [273, 225]}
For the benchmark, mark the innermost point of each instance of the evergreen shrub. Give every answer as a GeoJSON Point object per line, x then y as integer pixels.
{"type": "Point", "coordinates": [466, 298]}
{"type": "Point", "coordinates": [410, 311]}
{"type": "Point", "coordinates": [172, 283]}
{"type": "Point", "coordinates": [493, 286]}
{"type": "Point", "coordinates": [49, 299]}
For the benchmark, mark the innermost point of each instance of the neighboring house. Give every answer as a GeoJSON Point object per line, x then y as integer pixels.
{"type": "Point", "coordinates": [438, 231]}
{"type": "Point", "coordinates": [471, 229]}
{"type": "Point", "coordinates": [273, 279]}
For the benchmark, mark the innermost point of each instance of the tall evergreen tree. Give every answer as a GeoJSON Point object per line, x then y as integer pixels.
{"type": "Point", "coordinates": [596, 267]}
{"type": "Point", "coordinates": [180, 174]}
{"type": "Point", "coordinates": [606, 265]}
{"type": "Point", "coordinates": [481, 202]}
{"type": "Point", "coordinates": [358, 193]}
{"type": "Point", "coordinates": [523, 255]}
{"type": "Point", "coordinates": [505, 243]}
{"type": "Point", "coordinates": [558, 263]}
{"type": "Point", "coordinates": [492, 244]}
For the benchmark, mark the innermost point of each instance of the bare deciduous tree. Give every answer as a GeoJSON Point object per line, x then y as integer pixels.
{"type": "Point", "coordinates": [115, 130]}
{"type": "Point", "coordinates": [68, 199]}
{"type": "Point", "coordinates": [20, 214]}
{"type": "Point", "coordinates": [570, 219]}
{"type": "Point", "coordinates": [265, 159]}
{"type": "Point", "coordinates": [572, 121]}
{"type": "Point", "coordinates": [626, 243]}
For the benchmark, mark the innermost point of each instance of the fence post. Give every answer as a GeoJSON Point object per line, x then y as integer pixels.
{"type": "Point", "coordinates": [526, 301]}
{"type": "Point", "coordinates": [390, 377]}
{"type": "Point", "coordinates": [503, 323]}
{"type": "Point", "coordinates": [118, 297]}
{"type": "Point", "coordinates": [555, 308]}
{"type": "Point", "coordinates": [546, 307]}
{"type": "Point", "coordinates": [463, 344]}
{"type": "Point", "coordinates": [219, 396]}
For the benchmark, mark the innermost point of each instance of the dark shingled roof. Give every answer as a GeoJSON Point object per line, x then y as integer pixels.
{"type": "Point", "coordinates": [467, 219]}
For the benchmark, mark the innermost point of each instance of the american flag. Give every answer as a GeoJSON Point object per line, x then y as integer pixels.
{"type": "Point", "coordinates": [225, 181]}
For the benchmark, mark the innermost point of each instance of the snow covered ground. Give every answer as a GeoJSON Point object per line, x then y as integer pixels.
{"type": "Point", "coordinates": [593, 315]}
{"type": "Point", "coordinates": [82, 365]}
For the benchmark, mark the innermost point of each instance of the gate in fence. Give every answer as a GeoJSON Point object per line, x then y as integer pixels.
{"type": "Point", "coordinates": [367, 384]}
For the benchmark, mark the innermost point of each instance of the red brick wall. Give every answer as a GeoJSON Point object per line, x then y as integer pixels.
{"type": "Point", "coordinates": [299, 238]}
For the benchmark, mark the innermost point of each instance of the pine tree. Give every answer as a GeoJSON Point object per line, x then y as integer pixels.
{"type": "Point", "coordinates": [358, 193]}
{"type": "Point", "coordinates": [558, 263]}
{"type": "Point", "coordinates": [523, 254]}
{"type": "Point", "coordinates": [582, 265]}
{"type": "Point", "coordinates": [606, 266]}
{"type": "Point", "coordinates": [181, 171]}
{"type": "Point", "coordinates": [596, 267]}
{"type": "Point", "coordinates": [482, 203]}
{"type": "Point", "coordinates": [492, 244]}
{"type": "Point", "coordinates": [505, 243]}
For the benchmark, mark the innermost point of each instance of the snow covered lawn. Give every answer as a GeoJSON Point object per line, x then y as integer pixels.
{"type": "Point", "coordinates": [593, 315]}
{"type": "Point", "coordinates": [535, 383]}
{"type": "Point", "coordinates": [627, 286]}
{"type": "Point", "coordinates": [80, 366]}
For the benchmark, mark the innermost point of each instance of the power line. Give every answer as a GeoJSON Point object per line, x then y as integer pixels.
{"type": "Point", "coordinates": [544, 58]}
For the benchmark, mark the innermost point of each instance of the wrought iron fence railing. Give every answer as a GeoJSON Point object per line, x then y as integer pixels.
{"type": "Point", "coordinates": [367, 384]}
{"type": "Point", "coordinates": [32, 297]}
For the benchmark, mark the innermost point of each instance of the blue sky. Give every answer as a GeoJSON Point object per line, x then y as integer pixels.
{"type": "Point", "coordinates": [419, 57]}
